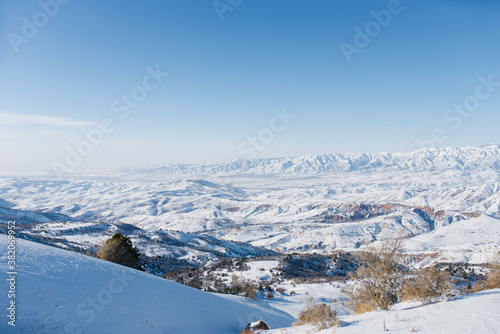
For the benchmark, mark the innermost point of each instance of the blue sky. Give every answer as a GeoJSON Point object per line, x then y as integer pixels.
{"type": "Point", "coordinates": [228, 77]}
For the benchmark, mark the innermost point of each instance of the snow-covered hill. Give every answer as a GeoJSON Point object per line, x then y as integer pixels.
{"type": "Point", "coordinates": [59, 291]}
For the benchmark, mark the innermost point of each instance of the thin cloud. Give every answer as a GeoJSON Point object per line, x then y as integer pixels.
{"type": "Point", "coordinates": [30, 134]}
{"type": "Point", "coordinates": [20, 119]}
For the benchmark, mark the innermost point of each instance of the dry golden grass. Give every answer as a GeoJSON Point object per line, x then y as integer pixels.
{"type": "Point", "coordinates": [360, 299]}
{"type": "Point", "coordinates": [319, 315]}
{"type": "Point", "coordinates": [429, 283]}
{"type": "Point", "coordinates": [492, 279]}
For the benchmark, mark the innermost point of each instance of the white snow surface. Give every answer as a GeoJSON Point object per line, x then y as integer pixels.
{"type": "Point", "coordinates": [469, 314]}
{"type": "Point", "coordinates": [475, 241]}
{"type": "Point", "coordinates": [63, 292]}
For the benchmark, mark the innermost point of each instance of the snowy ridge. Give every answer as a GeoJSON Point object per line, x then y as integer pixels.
{"type": "Point", "coordinates": [7, 214]}
{"type": "Point", "coordinates": [464, 159]}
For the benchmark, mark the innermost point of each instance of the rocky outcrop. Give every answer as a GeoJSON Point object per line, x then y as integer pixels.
{"type": "Point", "coordinates": [352, 212]}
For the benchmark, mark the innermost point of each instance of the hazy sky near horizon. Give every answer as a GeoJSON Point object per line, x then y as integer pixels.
{"type": "Point", "coordinates": [357, 76]}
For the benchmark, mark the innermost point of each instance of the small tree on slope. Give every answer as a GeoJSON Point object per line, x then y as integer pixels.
{"type": "Point", "coordinates": [119, 249]}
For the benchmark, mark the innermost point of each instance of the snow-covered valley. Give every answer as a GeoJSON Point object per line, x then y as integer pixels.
{"type": "Point", "coordinates": [286, 226]}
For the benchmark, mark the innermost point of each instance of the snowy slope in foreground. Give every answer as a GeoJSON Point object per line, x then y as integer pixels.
{"type": "Point", "coordinates": [475, 313]}
{"type": "Point", "coordinates": [63, 292]}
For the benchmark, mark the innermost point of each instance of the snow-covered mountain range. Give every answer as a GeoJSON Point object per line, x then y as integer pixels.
{"type": "Point", "coordinates": [464, 159]}
{"type": "Point", "coordinates": [308, 204]}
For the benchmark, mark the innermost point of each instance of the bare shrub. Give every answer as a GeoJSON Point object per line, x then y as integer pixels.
{"type": "Point", "coordinates": [492, 279]}
{"type": "Point", "coordinates": [429, 283]}
{"type": "Point", "coordinates": [251, 293]}
{"type": "Point", "coordinates": [239, 285]}
{"type": "Point", "coordinates": [360, 298]}
{"type": "Point", "coordinates": [379, 277]}
{"type": "Point", "coordinates": [319, 315]}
